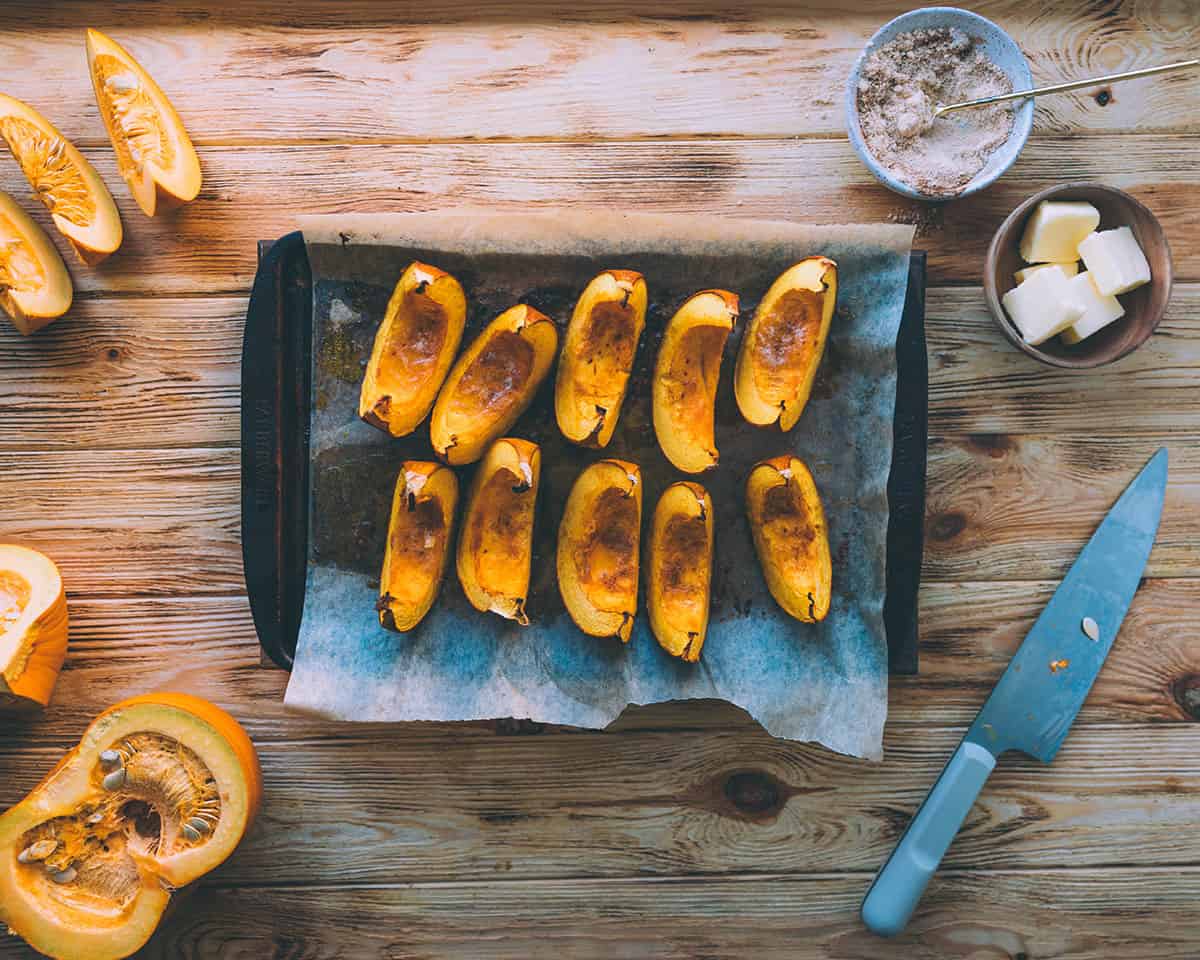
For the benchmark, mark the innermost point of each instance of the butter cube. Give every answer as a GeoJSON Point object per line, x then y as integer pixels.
{"type": "Point", "coordinates": [1055, 229]}
{"type": "Point", "coordinates": [1115, 260]}
{"type": "Point", "coordinates": [1099, 310]}
{"type": "Point", "coordinates": [1070, 269]}
{"type": "Point", "coordinates": [1043, 306]}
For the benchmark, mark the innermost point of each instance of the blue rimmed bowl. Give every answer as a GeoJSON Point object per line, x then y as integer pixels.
{"type": "Point", "coordinates": [999, 47]}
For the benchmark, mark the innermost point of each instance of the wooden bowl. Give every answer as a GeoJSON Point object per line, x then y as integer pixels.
{"type": "Point", "coordinates": [1144, 307]}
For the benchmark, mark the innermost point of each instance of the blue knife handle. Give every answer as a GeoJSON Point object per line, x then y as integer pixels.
{"type": "Point", "coordinates": [898, 887]}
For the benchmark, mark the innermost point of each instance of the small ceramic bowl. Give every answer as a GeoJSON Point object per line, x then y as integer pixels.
{"type": "Point", "coordinates": [1000, 48]}
{"type": "Point", "coordinates": [1144, 307]}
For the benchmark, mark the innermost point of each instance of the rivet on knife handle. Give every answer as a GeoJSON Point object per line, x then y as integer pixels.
{"type": "Point", "coordinates": [898, 887]}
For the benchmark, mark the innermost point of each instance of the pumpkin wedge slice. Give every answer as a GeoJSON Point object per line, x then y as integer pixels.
{"type": "Point", "coordinates": [158, 792]}
{"type": "Point", "coordinates": [686, 375]}
{"type": "Point", "coordinates": [35, 287]}
{"type": "Point", "coordinates": [790, 536]}
{"type": "Point", "coordinates": [414, 347]}
{"type": "Point", "coordinates": [79, 203]}
{"type": "Point", "coordinates": [33, 626]}
{"type": "Point", "coordinates": [598, 549]}
{"type": "Point", "coordinates": [598, 355]}
{"type": "Point", "coordinates": [154, 153]}
{"type": "Point", "coordinates": [679, 569]}
{"type": "Point", "coordinates": [784, 342]}
{"type": "Point", "coordinates": [495, 548]}
{"type": "Point", "coordinates": [418, 542]}
{"type": "Point", "coordinates": [492, 383]}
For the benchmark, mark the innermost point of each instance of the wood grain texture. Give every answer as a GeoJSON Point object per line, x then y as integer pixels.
{"type": "Point", "coordinates": [513, 69]}
{"type": "Point", "coordinates": [351, 806]}
{"type": "Point", "coordinates": [1064, 914]}
{"type": "Point", "coordinates": [148, 372]}
{"type": "Point", "coordinates": [210, 245]}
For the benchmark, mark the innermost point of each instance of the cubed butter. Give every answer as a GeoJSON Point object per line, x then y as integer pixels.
{"type": "Point", "coordinates": [1115, 260]}
{"type": "Point", "coordinates": [1099, 310]}
{"type": "Point", "coordinates": [1042, 306]}
{"type": "Point", "coordinates": [1053, 233]}
{"type": "Point", "coordinates": [1070, 269]}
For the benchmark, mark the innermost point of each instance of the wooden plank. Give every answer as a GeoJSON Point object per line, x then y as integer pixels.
{"type": "Point", "coordinates": [151, 373]}
{"type": "Point", "coordinates": [1136, 914]}
{"type": "Point", "coordinates": [206, 645]}
{"type": "Point", "coordinates": [355, 807]}
{"type": "Point", "coordinates": [129, 522]}
{"type": "Point", "coordinates": [167, 522]}
{"type": "Point", "coordinates": [210, 245]}
{"type": "Point", "coordinates": [126, 373]}
{"type": "Point", "coordinates": [980, 384]}
{"type": "Point", "coordinates": [1022, 507]}
{"type": "Point", "coordinates": [375, 71]}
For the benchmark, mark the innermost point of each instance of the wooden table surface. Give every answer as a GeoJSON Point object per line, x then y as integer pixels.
{"type": "Point", "coordinates": [685, 831]}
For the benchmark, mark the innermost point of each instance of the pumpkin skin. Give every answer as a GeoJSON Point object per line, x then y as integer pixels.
{"type": "Point", "coordinates": [495, 547]}
{"type": "Point", "coordinates": [679, 569]}
{"type": "Point", "coordinates": [418, 542]}
{"type": "Point", "coordinates": [33, 627]}
{"type": "Point", "coordinates": [114, 853]}
{"type": "Point", "coordinates": [784, 343]}
{"type": "Point", "coordinates": [598, 544]}
{"type": "Point", "coordinates": [790, 536]}
{"type": "Point", "coordinates": [158, 162]}
{"type": "Point", "coordinates": [414, 347]}
{"type": "Point", "coordinates": [598, 355]}
{"type": "Point", "coordinates": [62, 178]}
{"type": "Point", "coordinates": [35, 287]}
{"type": "Point", "coordinates": [492, 383]}
{"type": "Point", "coordinates": [686, 375]}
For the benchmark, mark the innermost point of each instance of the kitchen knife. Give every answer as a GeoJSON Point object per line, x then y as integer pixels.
{"type": "Point", "coordinates": [1034, 703]}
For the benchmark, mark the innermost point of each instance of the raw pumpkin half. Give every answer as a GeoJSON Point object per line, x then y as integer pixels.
{"type": "Point", "coordinates": [34, 284]}
{"type": "Point", "coordinates": [158, 792]}
{"type": "Point", "coordinates": [63, 180]}
{"type": "Point", "coordinates": [33, 626]}
{"type": "Point", "coordinates": [154, 153]}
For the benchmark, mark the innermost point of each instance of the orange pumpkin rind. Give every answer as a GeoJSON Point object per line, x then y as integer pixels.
{"type": "Point", "coordinates": [159, 791]}
{"type": "Point", "coordinates": [33, 626]}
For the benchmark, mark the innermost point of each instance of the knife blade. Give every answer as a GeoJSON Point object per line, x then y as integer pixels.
{"type": "Point", "coordinates": [1032, 706]}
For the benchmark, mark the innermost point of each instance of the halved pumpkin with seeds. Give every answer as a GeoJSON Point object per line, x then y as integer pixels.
{"type": "Point", "coordinates": [35, 287]}
{"type": "Point", "coordinates": [63, 180]}
{"type": "Point", "coordinates": [154, 153]}
{"type": "Point", "coordinates": [158, 792]}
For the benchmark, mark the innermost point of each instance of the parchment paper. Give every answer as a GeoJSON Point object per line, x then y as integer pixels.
{"type": "Point", "coordinates": [824, 682]}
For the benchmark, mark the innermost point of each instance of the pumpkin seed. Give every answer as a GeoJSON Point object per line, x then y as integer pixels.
{"type": "Point", "coordinates": [111, 759]}
{"type": "Point", "coordinates": [190, 832]}
{"type": "Point", "coordinates": [64, 876]}
{"type": "Point", "coordinates": [1091, 628]}
{"type": "Point", "coordinates": [39, 850]}
{"type": "Point", "coordinates": [95, 818]}
{"type": "Point", "coordinates": [199, 824]}
{"type": "Point", "coordinates": [114, 780]}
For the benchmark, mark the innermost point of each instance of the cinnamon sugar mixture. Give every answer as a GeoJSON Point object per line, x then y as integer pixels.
{"type": "Point", "coordinates": [898, 87]}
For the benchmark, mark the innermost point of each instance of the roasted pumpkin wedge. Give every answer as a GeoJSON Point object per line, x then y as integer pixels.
{"type": "Point", "coordinates": [413, 350]}
{"type": "Point", "coordinates": [784, 342]}
{"type": "Point", "coordinates": [33, 626]}
{"type": "Point", "coordinates": [598, 548]}
{"type": "Point", "coordinates": [495, 548]}
{"type": "Point", "coordinates": [686, 375]}
{"type": "Point", "coordinates": [679, 569]}
{"type": "Point", "coordinates": [154, 153]}
{"type": "Point", "coordinates": [418, 542]}
{"type": "Point", "coordinates": [79, 203]}
{"type": "Point", "coordinates": [158, 792]}
{"type": "Point", "coordinates": [35, 287]}
{"type": "Point", "coordinates": [598, 355]}
{"type": "Point", "coordinates": [790, 535]}
{"type": "Point", "coordinates": [492, 383]}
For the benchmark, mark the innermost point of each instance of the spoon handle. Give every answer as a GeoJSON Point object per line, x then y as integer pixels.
{"type": "Point", "coordinates": [1071, 85]}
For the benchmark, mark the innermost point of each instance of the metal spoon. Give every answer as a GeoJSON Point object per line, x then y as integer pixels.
{"type": "Point", "coordinates": [943, 108]}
